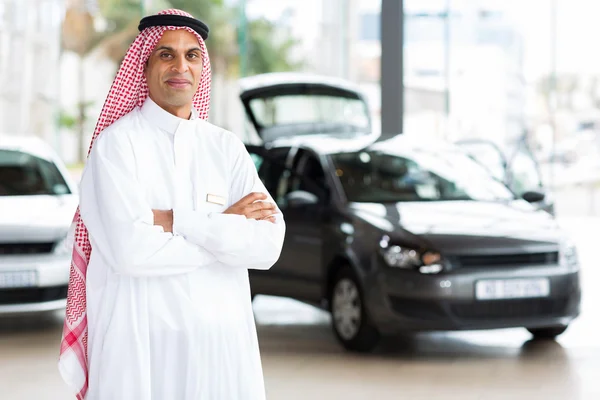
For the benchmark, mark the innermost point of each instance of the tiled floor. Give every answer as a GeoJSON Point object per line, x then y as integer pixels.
{"type": "Point", "coordinates": [302, 360]}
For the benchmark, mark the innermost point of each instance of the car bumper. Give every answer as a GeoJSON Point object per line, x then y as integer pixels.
{"type": "Point", "coordinates": [405, 300]}
{"type": "Point", "coordinates": [46, 293]}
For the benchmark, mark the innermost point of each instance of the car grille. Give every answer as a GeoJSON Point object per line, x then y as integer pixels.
{"type": "Point", "coordinates": [32, 295]}
{"type": "Point", "coordinates": [498, 309]}
{"type": "Point", "coordinates": [25, 248]}
{"type": "Point", "coordinates": [508, 260]}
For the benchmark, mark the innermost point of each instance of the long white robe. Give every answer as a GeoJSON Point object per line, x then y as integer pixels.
{"type": "Point", "coordinates": [169, 314]}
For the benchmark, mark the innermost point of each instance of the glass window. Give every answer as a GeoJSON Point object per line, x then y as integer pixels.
{"type": "Point", "coordinates": [306, 174]}
{"type": "Point", "coordinates": [310, 177]}
{"type": "Point", "coordinates": [257, 160]}
{"type": "Point", "coordinates": [23, 174]}
{"type": "Point", "coordinates": [271, 167]}
{"type": "Point", "coordinates": [525, 174]}
{"type": "Point", "coordinates": [422, 175]}
{"type": "Point", "coordinates": [488, 156]}
{"type": "Point", "coordinates": [308, 109]}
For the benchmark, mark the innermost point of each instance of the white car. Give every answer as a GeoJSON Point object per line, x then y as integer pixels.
{"type": "Point", "coordinates": [37, 202]}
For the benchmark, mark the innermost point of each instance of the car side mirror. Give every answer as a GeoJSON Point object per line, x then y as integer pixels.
{"type": "Point", "coordinates": [299, 198]}
{"type": "Point", "coordinates": [534, 196]}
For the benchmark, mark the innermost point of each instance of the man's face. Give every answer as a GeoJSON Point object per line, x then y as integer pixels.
{"type": "Point", "coordinates": [173, 71]}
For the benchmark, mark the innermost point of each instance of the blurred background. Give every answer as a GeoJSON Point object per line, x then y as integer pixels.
{"type": "Point", "coordinates": [516, 82]}
{"type": "Point", "coordinates": [515, 73]}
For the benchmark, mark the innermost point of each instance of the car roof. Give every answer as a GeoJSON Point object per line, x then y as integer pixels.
{"type": "Point", "coordinates": [290, 78]}
{"type": "Point", "coordinates": [39, 148]}
{"type": "Point", "coordinates": [28, 144]}
{"type": "Point", "coordinates": [414, 142]}
{"type": "Point", "coordinates": [328, 144]}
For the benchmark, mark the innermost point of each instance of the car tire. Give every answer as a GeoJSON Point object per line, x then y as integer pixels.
{"type": "Point", "coordinates": [547, 333]}
{"type": "Point", "coordinates": [350, 321]}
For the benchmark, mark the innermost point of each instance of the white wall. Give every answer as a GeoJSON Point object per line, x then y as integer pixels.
{"type": "Point", "coordinates": [29, 52]}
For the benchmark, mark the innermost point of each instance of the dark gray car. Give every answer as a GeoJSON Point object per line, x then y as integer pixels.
{"type": "Point", "coordinates": [404, 235]}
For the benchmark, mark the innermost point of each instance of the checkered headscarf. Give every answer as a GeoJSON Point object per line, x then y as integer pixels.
{"type": "Point", "coordinates": [129, 90]}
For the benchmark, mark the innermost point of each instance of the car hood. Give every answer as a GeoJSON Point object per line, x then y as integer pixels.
{"type": "Point", "coordinates": [276, 85]}
{"type": "Point", "coordinates": [465, 227]}
{"type": "Point", "coordinates": [35, 218]}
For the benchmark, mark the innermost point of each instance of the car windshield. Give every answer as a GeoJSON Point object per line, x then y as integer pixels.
{"type": "Point", "coordinates": [303, 109]}
{"type": "Point", "coordinates": [23, 174]}
{"type": "Point", "coordinates": [417, 175]}
{"type": "Point", "coordinates": [488, 156]}
{"type": "Point", "coordinates": [525, 173]}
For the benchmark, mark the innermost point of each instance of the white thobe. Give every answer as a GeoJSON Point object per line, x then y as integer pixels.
{"type": "Point", "coordinates": [170, 314]}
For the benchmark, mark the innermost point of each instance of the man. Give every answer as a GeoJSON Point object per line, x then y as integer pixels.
{"type": "Point", "coordinates": [176, 214]}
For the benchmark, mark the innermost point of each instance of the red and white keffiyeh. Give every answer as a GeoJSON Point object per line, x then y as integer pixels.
{"type": "Point", "coordinates": [129, 90]}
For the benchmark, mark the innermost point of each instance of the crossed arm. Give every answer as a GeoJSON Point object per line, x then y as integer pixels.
{"type": "Point", "coordinates": [252, 206]}
{"type": "Point", "coordinates": [136, 240]}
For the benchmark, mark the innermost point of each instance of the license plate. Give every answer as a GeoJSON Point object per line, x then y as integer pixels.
{"type": "Point", "coordinates": [18, 279]}
{"type": "Point", "coordinates": [512, 289]}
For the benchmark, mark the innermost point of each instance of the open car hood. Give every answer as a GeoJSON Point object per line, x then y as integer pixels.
{"type": "Point", "coordinates": [283, 105]}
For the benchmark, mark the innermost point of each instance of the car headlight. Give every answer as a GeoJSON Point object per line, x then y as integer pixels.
{"type": "Point", "coordinates": [401, 257]}
{"type": "Point", "coordinates": [568, 256]}
{"type": "Point", "coordinates": [429, 262]}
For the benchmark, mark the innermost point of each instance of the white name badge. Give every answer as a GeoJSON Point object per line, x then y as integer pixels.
{"type": "Point", "coordinates": [213, 198]}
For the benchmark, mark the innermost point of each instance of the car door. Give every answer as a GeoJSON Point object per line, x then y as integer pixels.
{"type": "Point", "coordinates": [273, 170]}
{"type": "Point", "coordinates": [303, 199]}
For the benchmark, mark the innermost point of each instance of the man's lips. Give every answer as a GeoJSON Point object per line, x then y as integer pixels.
{"type": "Point", "coordinates": [178, 83]}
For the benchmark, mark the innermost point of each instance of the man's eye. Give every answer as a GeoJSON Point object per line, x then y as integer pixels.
{"type": "Point", "coordinates": [193, 55]}
{"type": "Point", "coordinates": [165, 56]}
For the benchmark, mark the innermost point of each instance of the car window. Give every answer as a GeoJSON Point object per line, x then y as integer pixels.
{"type": "Point", "coordinates": [488, 156]}
{"type": "Point", "coordinates": [311, 109]}
{"type": "Point", "coordinates": [525, 174]}
{"type": "Point", "coordinates": [270, 165]}
{"type": "Point", "coordinates": [257, 160]}
{"type": "Point", "coordinates": [23, 174]}
{"type": "Point", "coordinates": [420, 175]}
{"type": "Point", "coordinates": [307, 175]}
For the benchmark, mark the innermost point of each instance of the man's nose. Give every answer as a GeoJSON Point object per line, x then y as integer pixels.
{"type": "Point", "coordinates": [180, 65]}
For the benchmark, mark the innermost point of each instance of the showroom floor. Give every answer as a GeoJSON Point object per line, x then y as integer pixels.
{"type": "Point", "coordinates": [303, 361]}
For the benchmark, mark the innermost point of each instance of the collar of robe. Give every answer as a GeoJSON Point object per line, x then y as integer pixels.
{"type": "Point", "coordinates": [163, 119]}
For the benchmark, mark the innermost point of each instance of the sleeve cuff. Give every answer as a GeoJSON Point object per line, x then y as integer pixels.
{"type": "Point", "coordinates": [184, 222]}
{"type": "Point", "coordinates": [200, 227]}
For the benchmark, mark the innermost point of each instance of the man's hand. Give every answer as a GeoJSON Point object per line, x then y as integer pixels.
{"type": "Point", "coordinates": [253, 206]}
{"type": "Point", "coordinates": [164, 218]}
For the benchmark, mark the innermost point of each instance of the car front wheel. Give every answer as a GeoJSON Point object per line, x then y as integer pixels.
{"type": "Point", "coordinates": [351, 324]}
{"type": "Point", "coordinates": [547, 333]}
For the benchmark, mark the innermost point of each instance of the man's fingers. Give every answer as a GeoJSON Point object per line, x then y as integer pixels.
{"type": "Point", "coordinates": [251, 198]}
{"type": "Point", "coordinates": [267, 212]}
{"type": "Point", "coordinates": [262, 205]}
{"type": "Point", "coordinates": [254, 206]}
{"type": "Point", "coordinates": [270, 219]}
{"type": "Point", "coordinates": [262, 213]}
